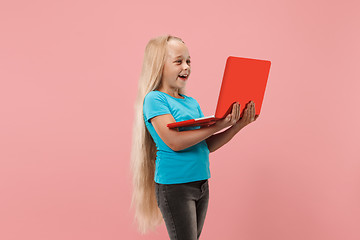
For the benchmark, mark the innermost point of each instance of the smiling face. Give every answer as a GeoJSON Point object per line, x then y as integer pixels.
{"type": "Point", "coordinates": [177, 63]}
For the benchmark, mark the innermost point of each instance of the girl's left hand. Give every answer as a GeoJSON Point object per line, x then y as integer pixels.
{"type": "Point", "coordinates": [248, 116]}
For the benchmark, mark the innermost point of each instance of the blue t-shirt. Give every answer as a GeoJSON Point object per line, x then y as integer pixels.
{"type": "Point", "coordinates": [188, 165]}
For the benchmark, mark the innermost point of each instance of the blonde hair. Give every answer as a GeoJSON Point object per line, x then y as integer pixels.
{"type": "Point", "coordinates": [143, 151]}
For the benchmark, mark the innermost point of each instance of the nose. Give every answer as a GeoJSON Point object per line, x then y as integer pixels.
{"type": "Point", "coordinates": [186, 66]}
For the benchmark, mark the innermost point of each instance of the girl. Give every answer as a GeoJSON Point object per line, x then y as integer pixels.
{"type": "Point", "coordinates": [171, 167]}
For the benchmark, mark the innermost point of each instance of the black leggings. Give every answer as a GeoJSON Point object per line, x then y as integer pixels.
{"type": "Point", "coordinates": [183, 207]}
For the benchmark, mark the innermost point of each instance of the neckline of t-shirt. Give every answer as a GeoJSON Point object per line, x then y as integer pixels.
{"type": "Point", "coordinates": [174, 97]}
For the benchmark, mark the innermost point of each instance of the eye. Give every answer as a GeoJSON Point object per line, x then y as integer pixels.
{"type": "Point", "coordinates": [188, 61]}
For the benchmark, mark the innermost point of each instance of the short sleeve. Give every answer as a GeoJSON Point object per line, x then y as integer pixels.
{"type": "Point", "coordinates": [155, 104]}
{"type": "Point", "coordinates": [200, 112]}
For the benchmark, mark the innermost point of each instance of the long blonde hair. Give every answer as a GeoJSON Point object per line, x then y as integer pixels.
{"type": "Point", "coordinates": [143, 152]}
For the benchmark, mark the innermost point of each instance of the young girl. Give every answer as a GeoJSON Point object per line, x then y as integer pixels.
{"type": "Point", "coordinates": [171, 167]}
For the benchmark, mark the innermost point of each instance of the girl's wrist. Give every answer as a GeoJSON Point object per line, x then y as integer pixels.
{"type": "Point", "coordinates": [237, 127]}
{"type": "Point", "coordinates": [216, 127]}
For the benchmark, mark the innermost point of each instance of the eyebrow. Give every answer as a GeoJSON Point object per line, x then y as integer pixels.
{"type": "Point", "coordinates": [180, 56]}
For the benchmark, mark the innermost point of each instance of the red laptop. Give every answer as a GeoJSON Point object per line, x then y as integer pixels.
{"type": "Point", "coordinates": [244, 80]}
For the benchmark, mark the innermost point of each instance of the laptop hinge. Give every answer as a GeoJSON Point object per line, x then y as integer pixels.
{"type": "Point", "coordinates": [212, 116]}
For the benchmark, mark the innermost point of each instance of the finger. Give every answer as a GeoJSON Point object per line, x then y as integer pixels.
{"type": "Point", "coordinates": [233, 110]}
{"type": "Point", "coordinates": [228, 118]}
{"type": "Point", "coordinates": [252, 112]}
{"type": "Point", "coordinates": [249, 113]}
{"type": "Point", "coordinates": [245, 113]}
{"type": "Point", "coordinates": [233, 117]}
{"type": "Point", "coordinates": [237, 112]}
{"type": "Point", "coordinates": [244, 118]}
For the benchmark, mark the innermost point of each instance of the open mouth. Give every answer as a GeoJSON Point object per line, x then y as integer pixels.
{"type": "Point", "coordinates": [183, 77]}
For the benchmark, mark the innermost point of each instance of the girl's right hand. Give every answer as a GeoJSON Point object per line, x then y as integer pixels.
{"type": "Point", "coordinates": [231, 118]}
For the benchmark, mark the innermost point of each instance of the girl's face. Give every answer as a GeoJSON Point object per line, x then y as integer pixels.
{"type": "Point", "coordinates": [177, 63]}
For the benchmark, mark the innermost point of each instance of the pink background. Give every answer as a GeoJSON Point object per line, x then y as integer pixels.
{"type": "Point", "coordinates": [69, 72]}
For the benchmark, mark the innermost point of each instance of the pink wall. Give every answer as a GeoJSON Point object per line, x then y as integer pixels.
{"type": "Point", "coordinates": [69, 72]}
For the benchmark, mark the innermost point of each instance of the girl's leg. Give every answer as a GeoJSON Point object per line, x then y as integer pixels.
{"type": "Point", "coordinates": [201, 207]}
{"type": "Point", "coordinates": [177, 203]}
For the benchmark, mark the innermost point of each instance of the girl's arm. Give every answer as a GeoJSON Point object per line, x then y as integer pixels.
{"type": "Point", "coordinates": [180, 140]}
{"type": "Point", "coordinates": [218, 140]}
